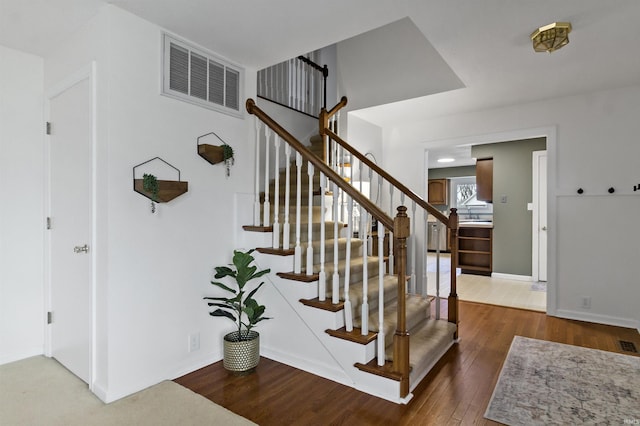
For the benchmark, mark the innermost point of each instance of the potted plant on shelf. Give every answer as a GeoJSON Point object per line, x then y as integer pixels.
{"type": "Point", "coordinates": [150, 184]}
{"type": "Point", "coordinates": [242, 346]}
{"type": "Point", "coordinates": [227, 154]}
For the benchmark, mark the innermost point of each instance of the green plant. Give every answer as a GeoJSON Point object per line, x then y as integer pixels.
{"type": "Point", "coordinates": [242, 304]}
{"type": "Point", "coordinates": [227, 155]}
{"type": "Point", "coordinates": [150, 184]}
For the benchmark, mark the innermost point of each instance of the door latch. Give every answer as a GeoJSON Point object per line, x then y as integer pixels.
{"type": "Point", "coordinates": [81, 249]}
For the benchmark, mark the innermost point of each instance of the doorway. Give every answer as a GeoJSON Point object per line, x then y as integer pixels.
{"type": "Point", "coordinates": [70, 238]}
{"type": "Point", "coordinates": [543, 294]}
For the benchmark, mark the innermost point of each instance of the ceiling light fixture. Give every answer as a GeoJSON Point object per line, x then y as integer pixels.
{"type": "Point", "coordinates": [551, 37]}
{"type": "Point", "coordinates": [446, 160]}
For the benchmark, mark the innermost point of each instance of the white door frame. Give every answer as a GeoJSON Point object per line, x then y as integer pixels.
{"type": "Point", "coordinates": [550, 134]}
{"type": "Point", "coordinates": [86, 73]}
{"type": "Point", "coordinates": [535, 222]}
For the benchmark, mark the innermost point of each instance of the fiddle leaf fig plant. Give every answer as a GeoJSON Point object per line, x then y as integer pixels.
{"type": "Point", "coordinates": [240, 307]}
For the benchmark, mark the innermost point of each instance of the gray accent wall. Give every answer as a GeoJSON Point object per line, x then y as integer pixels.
{"type": "Point", "coordinates": [512, 178]}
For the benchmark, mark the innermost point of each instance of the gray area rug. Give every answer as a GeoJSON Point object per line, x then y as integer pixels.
{"type": "Point", "coordinates": [544, 383]}
{"type": "Point", "coordinates": [39, 391]}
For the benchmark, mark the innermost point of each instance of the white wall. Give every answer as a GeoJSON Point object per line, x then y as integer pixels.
{"type": "Point", "coordinates": [596, 148]}
{"type": "Point", "coordinates": [153, 270]}
{"type": "Point", "coordinates": [21, 205]}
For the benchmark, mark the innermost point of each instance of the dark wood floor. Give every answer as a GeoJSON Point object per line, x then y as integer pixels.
{"type": "Point", "coordinates": [456, 391]}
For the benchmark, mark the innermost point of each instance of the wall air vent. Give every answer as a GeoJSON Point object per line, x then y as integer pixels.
{"type": "Point", "coordinates": [200, 77]}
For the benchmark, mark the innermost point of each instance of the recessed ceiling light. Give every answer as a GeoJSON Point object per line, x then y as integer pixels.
{"type": "Point", "coordinates": [446, 160]}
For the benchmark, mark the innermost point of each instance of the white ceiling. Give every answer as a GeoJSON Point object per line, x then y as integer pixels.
{"type": "Point", "coordinates": [485, 43]}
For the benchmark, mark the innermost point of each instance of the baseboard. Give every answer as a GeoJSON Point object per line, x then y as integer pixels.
{"type": "Point", "coordinates": [100, 391]}
{"type": "Point", "coordinates": [322, 370]}
{"type": "Point", "coordinates": [511, 276]}
{"type": "Point", "coordinates": [598, 319]}
{"type": "Point", "coordinates": [19, 356]}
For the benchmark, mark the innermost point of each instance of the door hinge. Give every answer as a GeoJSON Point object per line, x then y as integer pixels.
{"type": "Point", "coordinates": [49, 317]}
{"type": "Point", "coordinates": [48, 127]}
{"type": "Point", "coordinates": [48, 223]}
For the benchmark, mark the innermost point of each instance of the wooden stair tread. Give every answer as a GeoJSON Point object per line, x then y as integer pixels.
{"type": "Point", "coordinates": [253, 228]}
{"type": "Point", "coordinates": [385, 371]}
{"type": "Point", "coordinates": [303, 277]}
{"type": "Point", "coordinates": [275, 251]}
{"type": "Point", "coordinates": [353, 336]}
{"type": "Point", "coordinates": [325, 305]}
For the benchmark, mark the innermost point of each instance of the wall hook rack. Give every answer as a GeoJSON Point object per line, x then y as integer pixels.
{"type": "Point", "coordinates": [167, 189]}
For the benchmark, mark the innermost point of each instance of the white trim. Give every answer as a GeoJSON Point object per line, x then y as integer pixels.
{"type": "Point", "coordinates": [598, 319]}
{"type": "Point", "coordinates": [511, 277]}
{"type": "Point", "coordinates": [88, 72]}
{"type": "Point", "coordinates": [535, 214]}
{"type": "Point", "coordinates": [552, 152]}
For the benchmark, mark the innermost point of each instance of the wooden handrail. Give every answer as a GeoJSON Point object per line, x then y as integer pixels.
{"type": "Point", "coordinates": [409, 193]}
{"type": "Point", "coordinates": [323, 118]}
{"type": "Point", "coordinates": [374, 210]}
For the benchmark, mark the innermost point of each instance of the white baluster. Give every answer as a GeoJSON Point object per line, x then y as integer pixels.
{"type": "Point", "coordinates": [322, 277]}
{"type": "Point", "coordinates": [297, 256]}
{"type": "Point", "coordinates": [266, 206]}
{"type": "Point", "coordinates": [381, 354]}
{"type": "Point", "coordinates": [392, 214]}
{"type": "Point", "coordinates": [291, 83]}
{"type": "Point", "coordinates": [425, 276]}
{"type": "Point", "coordinates": [341, 173]}
{"type": "Point", "coordinates": [335, 284]}
{"type": "Point", "coordinates": [286, 229]}
{"type": "Point", "coordinates": [413, 248]}
{"type": "Point", "coordinates": [309, 268]}
{"type": "Point", "coordinates": [276, 195]}
{"type": "Point", "coordinates": [365, 273]}
{"type": "Point", "coordinates": [348, 314]}
{"type": "Point", "coordinates": [256, 202]}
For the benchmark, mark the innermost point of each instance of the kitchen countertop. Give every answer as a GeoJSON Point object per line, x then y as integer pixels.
{"type": "Point", "coordinates": [476, 224]}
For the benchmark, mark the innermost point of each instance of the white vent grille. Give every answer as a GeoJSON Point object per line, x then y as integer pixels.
{"type": "Point", "coordinates": [196, 76]}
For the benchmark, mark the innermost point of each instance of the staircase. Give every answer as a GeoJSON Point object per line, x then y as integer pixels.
{"type": "Point", "coordinates": [373, 334]}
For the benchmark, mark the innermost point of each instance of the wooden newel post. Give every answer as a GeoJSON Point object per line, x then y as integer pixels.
{"type": "Point", "coordinates": [453, 296]}
{"type": "Point", "coordinates": [323, 124]}
{"type": "Point", "coordinates": [401, 337]}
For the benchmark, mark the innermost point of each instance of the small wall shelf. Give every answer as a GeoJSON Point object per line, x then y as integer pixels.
{"type": "Point", "coordinates": [168, 189]}
{"type": "Point", "coordinates": [212, 153]}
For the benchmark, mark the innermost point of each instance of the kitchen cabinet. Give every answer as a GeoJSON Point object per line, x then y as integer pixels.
{"type": "Point", "coordinates": [438, 191]}
{"type": "Point", "coordinates": [475, 250]}
{"type": "Point", "coordinates": [484, 179]}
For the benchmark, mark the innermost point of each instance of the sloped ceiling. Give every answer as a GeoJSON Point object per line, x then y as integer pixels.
{"type": "Point", "coordinates": [389, 64]}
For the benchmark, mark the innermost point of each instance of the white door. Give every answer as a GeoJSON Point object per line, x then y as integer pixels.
{"type": "Point", "coordinates": [70, 147]}
{"type": "Point", "coordinates": [540, 215]}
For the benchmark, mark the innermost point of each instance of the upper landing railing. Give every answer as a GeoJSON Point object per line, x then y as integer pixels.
{"type": "Point", "coordinates": [299, 84]}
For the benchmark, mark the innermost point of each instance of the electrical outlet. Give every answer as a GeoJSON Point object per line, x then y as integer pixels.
{"type": "Point", "coordinates": [586, 302]}
{"type": "Point", "coordinates": [194, 342]}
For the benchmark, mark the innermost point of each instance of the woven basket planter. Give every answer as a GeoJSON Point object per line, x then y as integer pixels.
{"type": "Point", "coordinates": [241, 356]}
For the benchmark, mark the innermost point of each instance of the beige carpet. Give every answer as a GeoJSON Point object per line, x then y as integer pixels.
{"type": "Point", "coordinates": [39, 391]}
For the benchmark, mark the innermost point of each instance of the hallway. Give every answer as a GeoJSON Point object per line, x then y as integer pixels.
{"type": "Point", "coordinates": [482, 289]}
